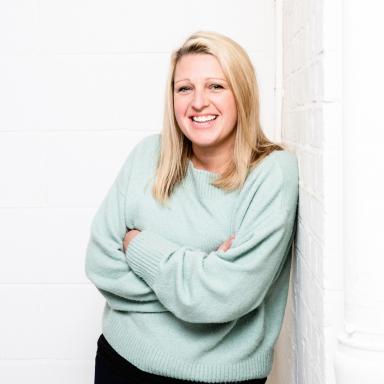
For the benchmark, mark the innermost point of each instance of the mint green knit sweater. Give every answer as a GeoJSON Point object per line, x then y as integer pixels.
{"type": "Point", "coordinates": [175, 306]}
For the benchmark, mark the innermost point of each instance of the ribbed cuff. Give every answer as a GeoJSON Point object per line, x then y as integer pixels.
{"type": "Point", "coordinates": [145, 252]}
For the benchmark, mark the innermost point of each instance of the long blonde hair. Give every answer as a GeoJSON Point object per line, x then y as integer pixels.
{"type": "Point", "coordinates": [251, 144]}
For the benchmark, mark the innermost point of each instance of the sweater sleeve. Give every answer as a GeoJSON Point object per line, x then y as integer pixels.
{"type": "Point", "coordinates": [218, 286]}
{"type": "Point", "coordinates": [105, 263]}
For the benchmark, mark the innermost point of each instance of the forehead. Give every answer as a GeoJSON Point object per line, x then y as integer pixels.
{"type": "Point", "coordinates": [198, 66]}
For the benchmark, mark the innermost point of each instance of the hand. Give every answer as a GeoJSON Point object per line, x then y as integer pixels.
{"type": "Point", "coordinates": [128, 237]}
{"type": "Point", "coordinates": [227, 244]}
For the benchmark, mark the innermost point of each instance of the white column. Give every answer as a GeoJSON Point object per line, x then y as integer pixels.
{"type": "Point", "coordinates": [360, 355]}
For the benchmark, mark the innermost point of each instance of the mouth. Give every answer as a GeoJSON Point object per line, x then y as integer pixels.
{"type": "Point", "coordinates": [206, 121]}
{"type": "Point", "coordinates": [203, 118]}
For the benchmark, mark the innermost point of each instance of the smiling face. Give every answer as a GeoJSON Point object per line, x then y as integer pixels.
{"type": "Point", "coordinates": [204, 105]}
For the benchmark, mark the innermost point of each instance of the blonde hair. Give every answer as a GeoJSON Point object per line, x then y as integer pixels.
{"type": "Point", "coordinates": [251, 144]}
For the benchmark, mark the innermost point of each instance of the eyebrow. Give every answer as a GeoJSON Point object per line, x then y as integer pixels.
{"type": "Point", "coordinates": [207, 78]}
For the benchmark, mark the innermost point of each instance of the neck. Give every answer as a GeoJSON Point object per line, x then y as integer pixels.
{"type": "Point", "coordinates": [212, 161]}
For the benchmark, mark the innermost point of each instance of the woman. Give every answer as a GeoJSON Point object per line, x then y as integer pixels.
{"type": "Point", "coordinates": [191, 245]}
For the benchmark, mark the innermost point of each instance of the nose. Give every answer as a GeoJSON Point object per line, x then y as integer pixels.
{"type": "Point", "coordinates": [200, 99]}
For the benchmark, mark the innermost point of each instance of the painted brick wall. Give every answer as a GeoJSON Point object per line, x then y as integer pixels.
{"type": "Point", "coordinates": [312, 127]}
{"type": "Point", "coordinates": [80, 83]}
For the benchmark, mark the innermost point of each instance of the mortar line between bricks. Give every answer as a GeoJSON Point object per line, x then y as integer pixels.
{"type": "Point", "coordinates": [34, 283]}
{"type": "Point", "coordinates": [36, 359]}
{"type": "Point", "coordinates": [316, 151]}
{"type": "Point", "coordinates": [46, 207]}
{"type": "Point", "coordinates": [74, 131]}
{"type": "Point", "coordinates": [46, 52]}
{"type": "Point", "coordinates": [317, 57]}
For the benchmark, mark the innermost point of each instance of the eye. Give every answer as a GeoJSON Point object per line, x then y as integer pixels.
{"type": "Point", "coordinates": [183, 89]}
{"type": "Point", "coordinates": [217, 86]}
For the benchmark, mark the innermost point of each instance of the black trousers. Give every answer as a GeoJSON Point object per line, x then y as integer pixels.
{"type": "Point", "coordinates": [111, 368]}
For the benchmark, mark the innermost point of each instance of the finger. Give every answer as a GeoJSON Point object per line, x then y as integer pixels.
{"type": "Point", "coordinates": [223, 247]}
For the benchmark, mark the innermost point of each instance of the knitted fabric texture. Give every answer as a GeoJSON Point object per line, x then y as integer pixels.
{"type": "Point", "coordinates": [175, 306]}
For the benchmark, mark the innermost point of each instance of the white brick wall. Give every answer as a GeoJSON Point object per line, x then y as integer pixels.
{"type": "Point", "coordinates": [80, 83]}
{"type": "Point", "coordinates": [311, 125]}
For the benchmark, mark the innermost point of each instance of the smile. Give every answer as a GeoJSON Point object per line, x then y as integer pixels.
{"type": "Point", "coordinates": [203, 119]}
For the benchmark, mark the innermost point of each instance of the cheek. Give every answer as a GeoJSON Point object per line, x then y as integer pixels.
{"type": "Point", "coordinates": [179, 110]}
{"type": "Point", "coordinates": [230, 108]}
{"type": "Point", "coordinates": [234, 113]}
{"type": "Point", "coordinates": [179, 107]}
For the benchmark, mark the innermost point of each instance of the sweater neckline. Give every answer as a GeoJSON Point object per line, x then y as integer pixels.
{"type": "Point", "coordinates": [201, 182]}
{"type": "Point", "coordinates": [196, 170]}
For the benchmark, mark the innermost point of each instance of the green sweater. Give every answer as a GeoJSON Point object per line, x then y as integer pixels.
{"type": "Point", "coordinates": [175, 306]}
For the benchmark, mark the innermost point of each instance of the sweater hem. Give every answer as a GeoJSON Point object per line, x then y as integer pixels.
{"type": "Point", "coordinates": [150, 359]}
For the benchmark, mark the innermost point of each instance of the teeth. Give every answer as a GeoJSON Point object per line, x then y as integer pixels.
{"type": "Point", "coordinates": [203, 118]}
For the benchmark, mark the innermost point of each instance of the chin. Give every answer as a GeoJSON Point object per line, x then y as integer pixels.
{"type": "Point", "coordinates": [204, 140]}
